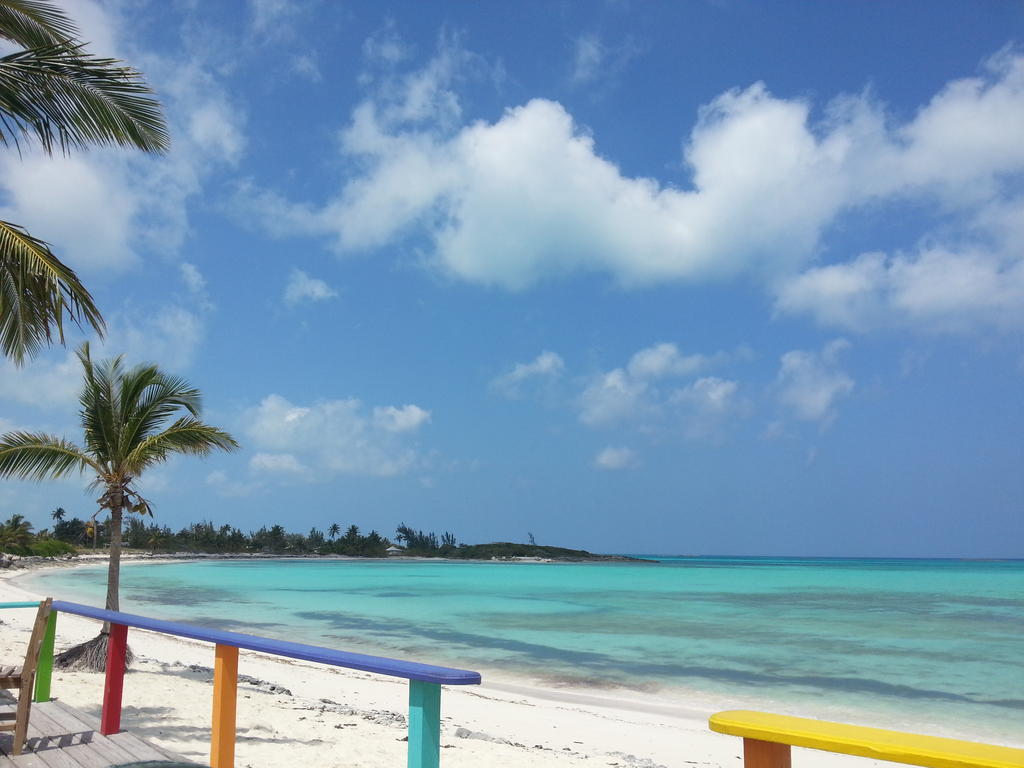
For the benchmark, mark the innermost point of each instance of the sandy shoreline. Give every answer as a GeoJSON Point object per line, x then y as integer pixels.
{"type": "Point", "coordinates": [291, 712]}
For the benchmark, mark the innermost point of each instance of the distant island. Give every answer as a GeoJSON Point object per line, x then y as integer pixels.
{"type": "Point", "coordinates": [71, 535]}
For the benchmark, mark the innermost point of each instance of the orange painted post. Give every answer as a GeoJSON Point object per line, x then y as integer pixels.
{"type": "Point", "coordinates": [225, 699]}
{"type": "Point", "coordinates": [765, 754]}
{"type": "Point", "coordinates": [117, 645]}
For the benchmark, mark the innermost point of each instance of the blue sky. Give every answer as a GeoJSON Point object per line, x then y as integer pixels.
{"type": "Point", "coordinates": [706, 277]}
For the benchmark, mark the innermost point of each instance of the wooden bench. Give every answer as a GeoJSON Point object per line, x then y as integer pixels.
{"type": "Point", "coordinates": [767, 739]}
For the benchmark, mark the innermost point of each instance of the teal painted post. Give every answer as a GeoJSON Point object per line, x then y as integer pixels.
{"type": "Point", "coordinates": [424, 724]}
{"type": "Point", "coordinates": [44, 669]}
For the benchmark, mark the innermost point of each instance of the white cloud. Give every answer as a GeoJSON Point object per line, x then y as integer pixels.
{"type": "Point", "coordinates": [305, 64]}
{"type": "Point", "coordinates": [613, 396]}
{"type": "Point", "coordinates": [528, 197]}
{"type": "Point", "coordinates": [196, 285]}
{"type": "Point", "coordinates": [193, 278]}
{"type": "Point", "coordinates": [595, 63]}
{"type": "Point", "coordinates": [811, 384]}
{"type": "Point", "coordinates": [404, 419]}
{"type": "Point", "coordinates": [633, 392]}
{"type": "Point", "coordinates": [615, 458]}
{"type": "Point", "coordinates": [664, 360]}
{"type": "Point", "coordinates": [935, 289]}
{"type": "Point", "coordinates": [546, 366]}
{"type": "Point", "coordinates": [277, 463]}
{"type": "Point", "coordinates": [337, 436]}
{"type": "Point", "coordinates": [588, 55]}
{"type": "Point", "coordinates": [169, 336]}
{"type": "Point", "coordinates": [301, 287]}
{"type": "Point", "coordinates": [82, 205]}
{"type": "Point", "coordinates": [225, 486]}
{"type": "Point", "coordinates": [269, 17]}
{"type": "Point", "coordinates": [101, 209]}
{"type": "Point", "coordinates": [46, 382]}
{"type": "Point", "coordinates": [708, 403]}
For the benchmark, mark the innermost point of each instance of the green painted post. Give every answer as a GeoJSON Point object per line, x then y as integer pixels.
{"type": "Point", "coordinates": [424, 724]}
{"type": "Point", "coordinates": [44, 669]}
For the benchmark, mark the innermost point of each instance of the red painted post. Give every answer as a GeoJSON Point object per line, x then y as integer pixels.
{"type": "Point", "coordinates": [110, 721]}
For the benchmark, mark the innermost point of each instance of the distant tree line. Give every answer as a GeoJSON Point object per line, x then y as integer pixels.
{"type": "Point", "coordinates": [68, 535]}
{"type": "Point", "coordinates": [207, 537]}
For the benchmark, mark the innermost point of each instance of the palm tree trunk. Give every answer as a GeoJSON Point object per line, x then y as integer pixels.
{"type": "Point", "coordinates": [114, 567]}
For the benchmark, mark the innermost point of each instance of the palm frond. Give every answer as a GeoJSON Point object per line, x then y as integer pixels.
{"type": "Point", "coordinates": [34, 23]}
{"type": "Point", "coordinates": [37, 290]}
{"type": "Point", "coordinates": [37, 456]}
{"type": "Point", "coordinates": [99, 404]}
{"type": "Point", "coordinates": [69, 98]}
{"type": "Point", "coordinates": [187, 435]}
{"type": "Point", "coordinates": [149, 398]}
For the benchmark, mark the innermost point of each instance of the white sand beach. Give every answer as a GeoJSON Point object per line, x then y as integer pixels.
{"type": "Point", "coordinates": [296, 713]}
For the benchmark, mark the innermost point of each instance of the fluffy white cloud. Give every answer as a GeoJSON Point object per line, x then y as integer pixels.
{"type": "Point", "coordinates": [47, 382]}
{"type": "Point", "coordinates": [647, 392]}
{"type": "Point", "coordinates": [632, 392]}
{"type": "Point", "coordinates": [301, 287]}
{"type": "Point", "coordinates": [615, 458]}
{"type": "Point", "coordinates": [528, 197]}
{"type": "Point", "coordinates": [614, 396]}
{"type": "Point", "coordinates": [82, 205]}
{"type": "Point", "coordinates": [100, 209]}
{"type": "Point", "coordinates": [404, 419]}
{"type": "Point", "coordinates": [664, 360]}
{"type": "Point", "coordinates": [168, 336]}
{"type": "Point", "coordinates": [811, 384]}
{"type": "Point", "coordinates": [708, 403]}
{"type": "Point", "coordinates": [545, 367]}
{"type": "Point", "coordinates": [935, 289]}
{"type": "Point", "coordinates": [335, 436]}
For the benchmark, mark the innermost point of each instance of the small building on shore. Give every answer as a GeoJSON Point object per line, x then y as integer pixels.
{"type": "Point", "coordinates": [394, 551]}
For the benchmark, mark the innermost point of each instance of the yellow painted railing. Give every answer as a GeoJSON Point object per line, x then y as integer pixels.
{"type": "Point", "coordinates": [767, 739]}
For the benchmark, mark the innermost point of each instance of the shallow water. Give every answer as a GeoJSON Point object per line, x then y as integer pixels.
{"type": "Point", "coordinates": [934, 645]}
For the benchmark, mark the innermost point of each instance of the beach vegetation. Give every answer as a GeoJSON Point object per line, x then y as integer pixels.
{"type": "Point", "coordinates": [57, 95]}
{"type": "Point", "coordinates": [133, 419]}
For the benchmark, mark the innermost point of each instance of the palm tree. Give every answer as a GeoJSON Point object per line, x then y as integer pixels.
{"type": "Point", "coordinates": [16, 532]}
{"type": "Point", "coordinates": [52, 90]}
{"type": "Point", "coordinates": [124, 413]}
{"type": "Point", "coordinates": [333, 531]}
{"type": "Point", "coordinates": [58, 514]}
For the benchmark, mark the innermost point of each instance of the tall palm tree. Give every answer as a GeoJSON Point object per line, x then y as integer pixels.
{"type": "Point", "coordinates": [53, 91]}
{"type": "Point", "coordinates": [333, 531]}
{"type": "Point", "coordinates": [125, 414]}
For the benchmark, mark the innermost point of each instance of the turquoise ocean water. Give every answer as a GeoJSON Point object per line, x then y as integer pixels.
{"type": "Point", "coordinates": [934, 645]}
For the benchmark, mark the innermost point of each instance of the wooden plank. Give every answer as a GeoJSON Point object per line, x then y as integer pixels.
{"type": "Point", "coordinates": [110, 752]}
{"type": "Point", "coordinates": [75, 721]}
{"type": "Point", "coordinates": [139, 749]}
{"type": "Point", "coordinates": [424, 725]}
{"type": "Point", "coordinates": [84, 755]}
{"type": "Point", "coordinates": [44, 672]}
{"type": "Point", "coordinates": [765, 754]}
{"type": "Point", "coordinates": [58, 758]}
{"type": "Point", "coordinates": [25, 760]}
{"type": "Point", "coordinates": [874, 743]}
{"type": "Point", "coordinates": [91, 722]}
{"type": "Point", "coordinates": [225, 701]}
{"type": "Point", "coordinates": [113, 687]}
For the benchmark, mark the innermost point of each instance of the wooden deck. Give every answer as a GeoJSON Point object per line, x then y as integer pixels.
{"type": "Point", "coordinates": [60, 736]}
